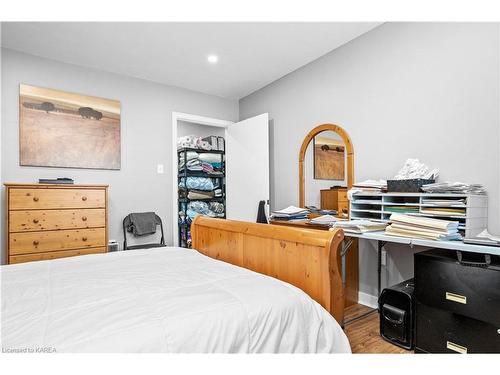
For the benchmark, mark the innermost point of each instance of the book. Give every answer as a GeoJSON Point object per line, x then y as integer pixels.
{"type": "Point", "coordinates": [60, 180]}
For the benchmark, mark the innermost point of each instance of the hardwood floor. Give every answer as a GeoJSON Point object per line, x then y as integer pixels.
{"type": "Point", "coordinates": [363, 333]}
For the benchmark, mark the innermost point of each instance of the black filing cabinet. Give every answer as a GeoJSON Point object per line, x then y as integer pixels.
{"type": "Point", "coordinates": [457, 302]}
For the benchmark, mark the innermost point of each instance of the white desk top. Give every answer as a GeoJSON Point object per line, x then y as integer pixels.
{"type": "Point", "coordinates": [450, 245]}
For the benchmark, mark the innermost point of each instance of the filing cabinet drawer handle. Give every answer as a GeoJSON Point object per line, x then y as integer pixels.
{"type": "Point", "coordinates": [35, 221]}
{"type": "Point", "coordinates": [84, 198]}
{"type": "Point", "coordinates": [84, 239]}
{"type": "Point", "coordinates": [35, 199]}
{"type": "Point", "coordinates": [35, 243]}
{"type": "Point", "coordinates": [456, 298]}
{"type": "Point", "coordinates": [456, 348]}
{"type": "Point", "coordinates": [84, 218]}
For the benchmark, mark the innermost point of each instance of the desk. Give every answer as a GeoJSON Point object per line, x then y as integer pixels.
{"type": "Point", "coordinates": [382, 239]}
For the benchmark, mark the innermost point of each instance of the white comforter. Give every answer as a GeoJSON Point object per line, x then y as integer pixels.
{"type": "Point", "coordinates": [158, 300]}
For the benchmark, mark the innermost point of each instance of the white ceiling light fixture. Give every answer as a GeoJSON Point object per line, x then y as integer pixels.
{"type": "Point", "coordinates": [212, 59]}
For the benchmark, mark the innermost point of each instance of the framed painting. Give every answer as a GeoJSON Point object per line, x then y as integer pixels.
{"type": "Point", "coordinates": [329, 158]}
{"type": "Point", "coordinates": [62, 129]}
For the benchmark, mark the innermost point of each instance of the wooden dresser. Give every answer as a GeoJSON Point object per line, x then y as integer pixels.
{"type": "Point", "coordinates": [335, 199]}
{"type": "Point", "coordinates": [55, 221]}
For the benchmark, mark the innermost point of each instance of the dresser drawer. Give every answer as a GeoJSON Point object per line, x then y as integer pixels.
{"type": "Point", "coordinates": [36, 220]}
{"type": "Point", "coordinates": [29, 199]}
{"type": "Point", "coordinates": [342, 197]}
{"type": "Point", "coordinates": [54, 255]}
{"type": "Point", "coordinates": [37, 242]}
{"type": "Point", "coordinates": [440, 331]}
{"type": "Point", "coordinates": [442, 282]}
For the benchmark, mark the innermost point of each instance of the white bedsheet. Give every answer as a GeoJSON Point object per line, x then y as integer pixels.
{"type": "Point", "coordinates": [158, 300]}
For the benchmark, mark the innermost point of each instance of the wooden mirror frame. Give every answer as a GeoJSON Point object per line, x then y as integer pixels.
{"type": "Point", "coordinates": [309, 137]}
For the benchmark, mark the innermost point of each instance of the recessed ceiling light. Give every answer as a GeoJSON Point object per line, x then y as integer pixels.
{"type": "Point", "coordinates": [212, 59]}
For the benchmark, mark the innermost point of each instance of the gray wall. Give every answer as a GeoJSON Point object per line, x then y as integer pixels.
{"type": "Point", "coordinates": [189, 128]}
{"type": "Point", "coordinates": [146, 115]}
{"type": "Point", "coordinates": [425, 90]}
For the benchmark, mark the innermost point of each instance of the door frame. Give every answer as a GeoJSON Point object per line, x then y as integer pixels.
{"type": "Point", "coordinates": [194, 119]}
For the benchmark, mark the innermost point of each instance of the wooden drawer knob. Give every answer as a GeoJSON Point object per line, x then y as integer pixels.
{"type": "Point", "coordinates": [35, 243]}
{"type": "Point", "coordinates": [35, 199]}
{"type": "Point", "coordinates": [84, 218]}
{"type": "Point", "coordinates": [84, 239]}
{"type": "Point", "coordinates": [35, 221]}
{"type": "Point", "coordinates": [84, 198]}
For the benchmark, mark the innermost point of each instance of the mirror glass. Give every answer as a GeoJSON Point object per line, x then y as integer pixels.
{"type": "Point", "coordinates": [325, 165]}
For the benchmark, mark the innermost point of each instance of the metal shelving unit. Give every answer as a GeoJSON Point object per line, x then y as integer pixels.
{"type": "Point", "coordinates": [184, 223]}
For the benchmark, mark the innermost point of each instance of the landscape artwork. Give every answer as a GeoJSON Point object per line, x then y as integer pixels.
{"type": "Point", "coordinates": [329, 161]}
{"type": "Point", "coordinates": [62, 129]}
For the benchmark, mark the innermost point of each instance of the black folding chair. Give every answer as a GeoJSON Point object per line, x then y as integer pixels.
{"type": "Point", "coordinates": [126, 246]}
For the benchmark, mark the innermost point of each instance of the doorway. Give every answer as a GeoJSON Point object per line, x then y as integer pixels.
{"type": "Point", "coordinates": [245, 175]}
{"type": "Point", "coordinates": [184, 124]}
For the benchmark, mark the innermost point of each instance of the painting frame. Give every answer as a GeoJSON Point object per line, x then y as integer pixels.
{"type": "Point", "coordinates": [62, 129]}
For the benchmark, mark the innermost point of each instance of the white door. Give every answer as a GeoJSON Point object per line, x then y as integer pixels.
{"type": "Point", "coordinates": [247, 167]}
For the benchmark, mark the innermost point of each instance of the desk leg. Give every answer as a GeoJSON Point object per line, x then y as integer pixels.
{"type": "Point", "coordinates": [346, 245]}
{"type": "Point", "coordinates": [379, 267]}
{"type": "Point", "coordinates": [380, 247]}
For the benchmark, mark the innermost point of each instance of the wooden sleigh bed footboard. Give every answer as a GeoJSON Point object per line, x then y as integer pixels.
{"type": "Point", "coordinates": [309, 259]}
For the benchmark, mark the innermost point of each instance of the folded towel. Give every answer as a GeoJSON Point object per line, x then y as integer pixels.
{"type": "Point", "coordinates": [210, 158]}
{"type": "Point", "coordinates": [197, 194]}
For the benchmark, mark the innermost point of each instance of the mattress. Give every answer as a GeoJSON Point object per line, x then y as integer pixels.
{"type": "Point", "coordinates": [159, 300]}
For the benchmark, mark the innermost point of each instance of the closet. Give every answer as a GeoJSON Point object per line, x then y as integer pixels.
{"type": "Point", "coordinates": [222, 171]}
{"type": "Point", "coordinates": [201, 175]}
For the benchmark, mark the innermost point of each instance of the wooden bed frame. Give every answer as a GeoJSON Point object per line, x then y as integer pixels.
{"type": "Point", "coordinates": [307, 258]}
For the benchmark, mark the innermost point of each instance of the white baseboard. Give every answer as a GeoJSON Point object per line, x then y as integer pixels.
{"type": "Point", "coordinates": [367, 300]}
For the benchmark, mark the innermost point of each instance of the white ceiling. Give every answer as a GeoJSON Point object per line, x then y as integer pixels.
{"type": "Point", "coordinates": [251, 55]}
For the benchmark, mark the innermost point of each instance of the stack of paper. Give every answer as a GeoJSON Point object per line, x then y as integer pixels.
{"type": "Point", "coordinates": [359, 226]}
{"type": "Point", "coordinates": [413, 168]}
{"type": "Point", "coordinates": [452, 202]}
{"type": "Point", "coordinates": [371, 185]}
{"type": "Point", "coordinates": [325, 220]}
{"type": "Point", "coordinates": [290, 213]}
{"type": "Point", "coordinates": [402, 209]}
{"type": "Point", "coordinates": [422, 227]}
{"type": "Point", "coordinates": [446, 211]}
{"type": "Point", "coordinates": [367, 186]}
{"type": "Point", "coordinates": [454, 187]}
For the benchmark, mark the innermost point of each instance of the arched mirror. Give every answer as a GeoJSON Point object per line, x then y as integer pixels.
{"type": "Point", "coordinates": [326, 163]}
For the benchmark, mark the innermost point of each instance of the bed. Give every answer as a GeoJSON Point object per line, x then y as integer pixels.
{"type": "Point", "coordinates": [179, 300]}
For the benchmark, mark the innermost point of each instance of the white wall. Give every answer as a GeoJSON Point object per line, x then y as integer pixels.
{"type": "Point", "coordinates": [146, 115]}
{"type": "Point", "coordinates": [425, 90]}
